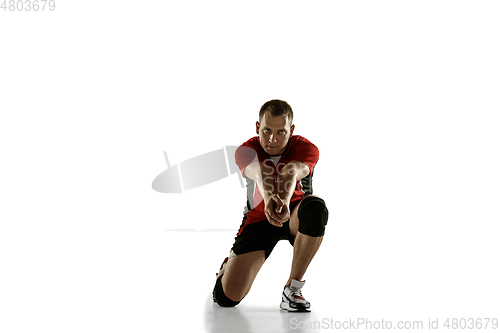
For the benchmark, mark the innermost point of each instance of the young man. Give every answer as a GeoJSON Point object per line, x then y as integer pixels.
{"type": "Point", "coordinates": [278, 167]}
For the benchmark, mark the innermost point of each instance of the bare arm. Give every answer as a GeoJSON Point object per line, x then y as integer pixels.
{"type": "Point", "coordinates": [263, 175]}
{"type": "Point", "coordinates": [288, 177]}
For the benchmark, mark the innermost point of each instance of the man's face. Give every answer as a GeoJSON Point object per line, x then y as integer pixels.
{"type": "Point", "coordinates": [274, 133]}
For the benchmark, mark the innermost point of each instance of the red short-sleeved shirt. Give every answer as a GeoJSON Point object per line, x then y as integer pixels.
{"type": "Point", "coordinates": [298, 149]}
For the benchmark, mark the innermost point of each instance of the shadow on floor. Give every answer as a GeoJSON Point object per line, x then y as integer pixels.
{"type": "Point", "coordinates": [253, 319]}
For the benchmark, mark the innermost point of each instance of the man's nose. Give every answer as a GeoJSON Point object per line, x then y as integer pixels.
{"type": "Point", "coordinates": [271, 138]}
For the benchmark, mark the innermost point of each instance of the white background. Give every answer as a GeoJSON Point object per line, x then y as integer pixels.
{"type": "Point", "coordinates": [401, 98]}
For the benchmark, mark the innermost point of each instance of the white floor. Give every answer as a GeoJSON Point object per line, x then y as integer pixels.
{"type": "Point", "coordinates": [153, 280]}
{"type": "Point", "coordinates": [341, 292]}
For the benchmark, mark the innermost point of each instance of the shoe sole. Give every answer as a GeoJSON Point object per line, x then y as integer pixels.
{"type": "Point", "coordinates": [286, 306]}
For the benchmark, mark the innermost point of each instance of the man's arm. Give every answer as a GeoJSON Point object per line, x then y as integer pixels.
{"type": "Point", "coordinates": [263, 175]}
{"type": "Point", "coordinates": [288, 177]}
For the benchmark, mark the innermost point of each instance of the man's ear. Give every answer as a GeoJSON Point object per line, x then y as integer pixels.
{"type": "Point", "coordinates": [257, 126]}
{"type": "Point", "coordinates": [291, 129]}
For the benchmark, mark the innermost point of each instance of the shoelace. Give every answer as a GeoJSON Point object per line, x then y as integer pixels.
{"type": "Point", "coordinates": [296, 292]}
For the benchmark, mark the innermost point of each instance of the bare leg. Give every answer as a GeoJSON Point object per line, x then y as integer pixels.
{"type": "Point", "coordinates": [239, 272]}
{"type": "Point", "coordinates": [304, 248]}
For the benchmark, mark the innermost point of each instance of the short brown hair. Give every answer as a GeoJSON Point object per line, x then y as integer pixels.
{"type": "Point", "coordinates": [277, 108]}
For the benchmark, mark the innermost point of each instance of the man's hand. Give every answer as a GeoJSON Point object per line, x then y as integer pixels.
{"type": "Point", "coordinates": [277, 211]}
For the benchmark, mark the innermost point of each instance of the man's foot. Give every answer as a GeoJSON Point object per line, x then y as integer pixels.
{"type": "Point", "coordinates": [221, 270]}
{"type": "Point", "coordinates": [292, 299]}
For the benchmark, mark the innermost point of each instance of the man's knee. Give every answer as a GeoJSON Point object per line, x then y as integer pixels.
{"type": "Point", "coordinates": [221, 298]}
{"type": "Point", "coordinates": [313, 216]}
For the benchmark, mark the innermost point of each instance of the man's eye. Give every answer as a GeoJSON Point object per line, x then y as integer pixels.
{"type": "Point", "coordinates": [282, 132]}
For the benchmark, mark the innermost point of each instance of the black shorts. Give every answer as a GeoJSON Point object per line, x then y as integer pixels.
{"type": "Point", "coordinates": [260, 236]}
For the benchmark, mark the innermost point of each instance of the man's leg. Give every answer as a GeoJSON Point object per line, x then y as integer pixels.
{"type": "Point", "coordinates": [307, 226]}
{"type": "Point", "coordinates": [305, 246]}
{"type": "Point", "coordinates": [238, 274]}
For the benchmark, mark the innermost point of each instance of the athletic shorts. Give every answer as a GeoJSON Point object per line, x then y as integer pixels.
{"type": "Point", "coordinates": [260, 236]}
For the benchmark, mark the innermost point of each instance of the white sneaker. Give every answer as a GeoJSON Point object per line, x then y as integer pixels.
{"type": "Point", "coordinates": [292, 299]}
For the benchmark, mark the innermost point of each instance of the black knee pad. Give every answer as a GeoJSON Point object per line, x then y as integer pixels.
{"type": "Point", "coordinates": [221, 298]}
{"type": "Point", "coordinates": [313, 216]}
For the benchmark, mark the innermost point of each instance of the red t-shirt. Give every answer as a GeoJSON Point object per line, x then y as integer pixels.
{"type": "Point", "coordinates": [298, 149]}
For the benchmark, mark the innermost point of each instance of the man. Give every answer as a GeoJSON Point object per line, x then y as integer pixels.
{"type": "Point", "coordinates": [278, 167]}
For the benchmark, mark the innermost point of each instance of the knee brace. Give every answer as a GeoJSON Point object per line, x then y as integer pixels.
{"type": "Point", "coordinates": [219, 296]}
{"type": "Point", "coordinates": [313, 216]}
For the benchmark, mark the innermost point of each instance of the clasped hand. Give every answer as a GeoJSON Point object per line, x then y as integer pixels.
{"type": "Point", "coordinates": [277, 211]}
